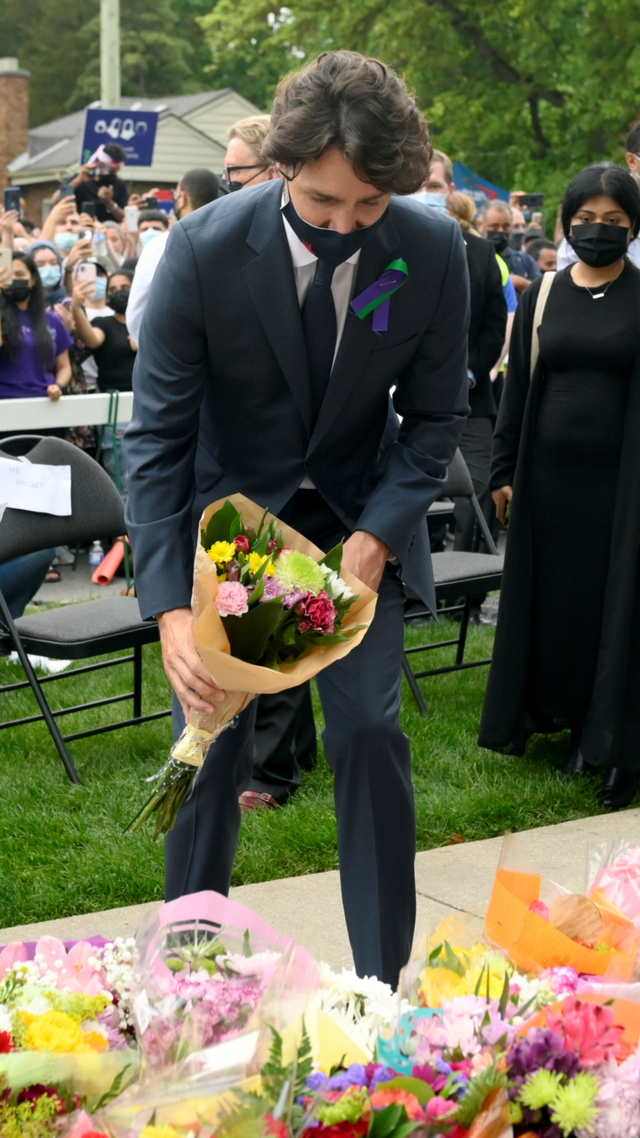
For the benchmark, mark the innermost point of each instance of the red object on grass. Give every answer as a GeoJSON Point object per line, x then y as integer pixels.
{"type": "Point", "coordinates": [108, 567]}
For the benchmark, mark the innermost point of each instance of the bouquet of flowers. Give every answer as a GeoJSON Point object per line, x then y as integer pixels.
{"type": "Point", "coordinates": [271, 611]}
{"type": "Point", "coordinates": [208, 970]}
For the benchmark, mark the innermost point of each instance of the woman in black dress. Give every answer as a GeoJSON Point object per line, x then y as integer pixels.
{"type": "Point", "coordinates": [567, 455]}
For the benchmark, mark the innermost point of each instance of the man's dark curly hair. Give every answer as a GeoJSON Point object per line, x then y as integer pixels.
{"type": "Point", "coordinates": [359, 106]}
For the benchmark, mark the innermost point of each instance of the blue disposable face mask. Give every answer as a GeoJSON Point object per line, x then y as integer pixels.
{"type": "Point", "coordinates": [148, 235]}
{"type": "Point", "coordinates": [101, 288]}
{"type": "Point", "coordinates": [50, 275]}
{"type": "Point", "coordinates": [65, 240]}
{"type": "Point", "coordinates": [436, 201]}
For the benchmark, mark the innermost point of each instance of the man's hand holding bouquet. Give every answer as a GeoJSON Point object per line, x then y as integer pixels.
{"type": "Point", "coordinates": [270, 610]}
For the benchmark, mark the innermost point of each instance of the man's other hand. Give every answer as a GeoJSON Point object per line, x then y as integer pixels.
{"type": "Point", "coordinates": [192, 683]}
{"type": "Point", "coordinates": [365, 556]}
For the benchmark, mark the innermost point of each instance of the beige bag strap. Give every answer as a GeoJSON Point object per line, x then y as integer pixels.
{"type": "Point", "coordinates": [541, 303]}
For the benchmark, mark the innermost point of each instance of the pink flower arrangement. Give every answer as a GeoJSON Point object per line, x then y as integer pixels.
{"type": "Point", "coordinates": [72, 969]}
{"type": "Point", "coordinates": [318, 613]}
{"type": "Point", "coordinates": [587, 1029]}
{"type": "Point", "coordinates": [232, 599]}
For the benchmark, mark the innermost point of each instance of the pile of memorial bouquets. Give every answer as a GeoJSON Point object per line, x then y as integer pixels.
{"type": "Point", "coordinates": [211, 1025]}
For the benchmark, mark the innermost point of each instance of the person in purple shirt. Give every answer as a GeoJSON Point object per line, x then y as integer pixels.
{"type": "Point", "coordinates": [34, 343]}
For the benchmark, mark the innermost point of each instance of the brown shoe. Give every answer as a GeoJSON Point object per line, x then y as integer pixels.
{"type": "Point", "coordinates": [253, 800]}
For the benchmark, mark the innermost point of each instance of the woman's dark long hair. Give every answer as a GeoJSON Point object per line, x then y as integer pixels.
{"type": "Point", "coordinates": [10, 316]}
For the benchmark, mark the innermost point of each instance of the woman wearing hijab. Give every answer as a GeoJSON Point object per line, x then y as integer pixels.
{"type": "Point", "coordinates": [48, 259]}
{"type": "Point", "coordinates": [34, 344]}
{"type": "Point", "coordinates": [565, 455]}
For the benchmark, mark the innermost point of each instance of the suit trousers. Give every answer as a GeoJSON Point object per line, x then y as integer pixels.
{"type": "Point", "coordinates": [371, 759]}
{"type": "Point", "coordinates": [284, 741]}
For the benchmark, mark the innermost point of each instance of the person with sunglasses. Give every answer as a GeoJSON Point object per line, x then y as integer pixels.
{"type": "Point", "coordinates": [243, 163]}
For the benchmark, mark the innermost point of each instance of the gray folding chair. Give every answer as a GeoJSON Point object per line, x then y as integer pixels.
{"type": "Point", "coordinates": [457, 575]}
{"type": "Point", "coordinates": [76, 631]}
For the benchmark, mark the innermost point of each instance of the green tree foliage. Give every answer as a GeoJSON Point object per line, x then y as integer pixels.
{"type": "Point", "coordinates": [163, 50]}
{"type": "Point", "coordinates": [525, 93]}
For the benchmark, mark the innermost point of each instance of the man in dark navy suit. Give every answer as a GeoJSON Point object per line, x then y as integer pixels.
{"type": "Point", "coordinates": [255, 374]}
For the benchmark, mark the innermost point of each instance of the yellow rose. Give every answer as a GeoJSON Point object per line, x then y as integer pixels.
{"type": "Point", "coordinates": [222, 551]}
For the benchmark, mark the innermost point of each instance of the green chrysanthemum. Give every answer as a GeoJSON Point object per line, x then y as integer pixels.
{"type": "Point", "coordinates": [574, 1105]}
{"type": "Point", "coordinates": [540, 1089]}
{"type": "Point", "coordinates": [298, 571]}
{"type": "Point", "coordinates": [349, 1108]}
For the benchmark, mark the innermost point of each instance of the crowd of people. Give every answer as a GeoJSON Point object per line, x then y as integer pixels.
{"type": "Point", "coordinates": [527, 360]}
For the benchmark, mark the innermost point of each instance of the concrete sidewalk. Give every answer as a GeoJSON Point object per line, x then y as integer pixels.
{"type": "Point", "coordinates": [454, 879]}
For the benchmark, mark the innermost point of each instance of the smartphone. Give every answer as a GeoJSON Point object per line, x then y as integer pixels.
{"type": "Point", "coordinates": [12, 198]}
{"type": "Point", "coordinates": [538, 219]}
{"type": "Point", "coordinates": [150, 203]}
{"type": "Point", "coordinates": [86, 234]}
{"type": "Point", "coordinates": [531, 201]}
{"type": "Point", "coordinates": [67, 191]}
{"type": "Point", "coordinates": [131, 215]}
{"type": "Point", "coordinates": [87, 272]}
{"type": "Point", "coordinates": [6, 259]}
{"type": "Point", "coordinates": [90, 208]}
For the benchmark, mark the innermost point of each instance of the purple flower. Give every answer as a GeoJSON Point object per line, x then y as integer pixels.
{"type": "Point", "coordinates": [317, 1081]}
{"type": "Point", "coordinates": [542, 1048]}
{"type": "Point", "coordinates": [274, 588]}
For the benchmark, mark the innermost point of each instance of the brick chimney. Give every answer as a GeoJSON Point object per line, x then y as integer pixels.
{"type": "Point", "coordinates": [14, 114]}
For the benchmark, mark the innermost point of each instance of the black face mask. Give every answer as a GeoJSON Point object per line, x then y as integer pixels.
{"type": "Point", "coordinates": [118, 301]}
{"type": "Point", "coordinates": [17, 291]}
{"type": "Point", "coordinates": [516, 241]}
{"type": "Point", "coordinates": [233, 186]}
{"type": "Point", "coordinates": [328, 245]}
{"type": "Point", "coordinates": [598, 244]}
{"type": "Point", "coordinates": [500, 240]}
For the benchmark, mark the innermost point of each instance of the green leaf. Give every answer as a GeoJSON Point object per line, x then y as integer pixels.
{"type": "Point", "coordinates": [435, 953]}
{"type": "Point", "coordinates": [257, 593]}
{"type": "Point", "coordinates": [249, 635]}
{"type": "Point", "coordinates": [477, 1092]}
{"type": "Point", "coordinates": [451, 960]}
{"type": "Point", "coordinates": [385, 1122]}
{"type": "Point", "coordinates": [333, 559]}
{"type": "Point", "coordinates": [479, 984]}
{"type": "Point", "coordinates": [246, 944]}
{"type": "Point", "coordinates": [219, 527]}
{"type": "Point", "coordinates": [114, 1089]}
{"type": "Point", "coordinates": [236, 527]}
{"type": "Point", "coordinates": [417, 1087]}
{"type": "Point", "coordinates": [504, 997]}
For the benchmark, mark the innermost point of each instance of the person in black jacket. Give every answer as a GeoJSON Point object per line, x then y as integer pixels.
{"type": "Point", "coordinates": [486, 336]}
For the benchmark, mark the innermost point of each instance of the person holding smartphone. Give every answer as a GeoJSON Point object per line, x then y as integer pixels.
{"type": "Point", "coordinates": [113, 350]}
{"type": "Point", "coordinates": [98, 183]}
{"type": "Point", "coordinates": [34, 343]}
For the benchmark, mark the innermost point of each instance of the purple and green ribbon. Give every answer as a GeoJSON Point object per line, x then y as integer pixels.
{"type": "Point", "coordinates": [376, 298]}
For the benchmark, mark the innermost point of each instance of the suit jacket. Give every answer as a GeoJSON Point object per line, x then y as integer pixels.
{"type": "Point", "coordinates": [488, 323]}
{"type": "Point", "coordinates": [221, 391]}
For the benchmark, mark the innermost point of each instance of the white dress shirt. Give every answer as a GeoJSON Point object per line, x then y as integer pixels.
{"type": "Point", "coordinates": [148, 262]}
{"type": "Point", "coordinates": [342, 287]}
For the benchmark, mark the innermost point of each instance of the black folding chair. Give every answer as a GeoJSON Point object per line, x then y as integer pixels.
{"type": "Point", "coordinates": [75, 631]}
{"type": "Point", "coordinates": [457, 575]}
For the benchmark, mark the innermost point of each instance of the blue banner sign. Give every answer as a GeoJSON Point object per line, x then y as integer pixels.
{"type": "Point", "coordinates": [135, 131]}
{"type": "Point", "coordinates": [480, 189]}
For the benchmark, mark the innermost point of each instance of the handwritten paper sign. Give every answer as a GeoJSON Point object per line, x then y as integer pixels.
{"type": "Point", "coordinates": [35, 486]}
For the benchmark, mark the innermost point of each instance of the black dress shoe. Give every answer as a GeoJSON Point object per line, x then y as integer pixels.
{"type": "Point", "coordinates": [620, 788]}
{"type": "Point", "coordinates": [577, 767]}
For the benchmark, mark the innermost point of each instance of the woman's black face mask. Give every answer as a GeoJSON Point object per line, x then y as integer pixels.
{"type": "Point", "coordinates": [17, 291]}
{"type": "Point", "coordinates": [118, 300]}
{"type": "Point", "coordinates": [598, 244]}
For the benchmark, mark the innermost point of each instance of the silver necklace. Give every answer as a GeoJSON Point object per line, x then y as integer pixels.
{"type": "Point", "coordinates": [599, 295]}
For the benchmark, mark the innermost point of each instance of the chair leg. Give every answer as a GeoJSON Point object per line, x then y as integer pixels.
{"type": "Point", "coordinates": [37, 691]}
{"type": "Point", "coordinates": [464, 628]}
{"type": "Point", "coordinates": [137, 681]}
{"type": "Point", "coordinates": [413, 684]}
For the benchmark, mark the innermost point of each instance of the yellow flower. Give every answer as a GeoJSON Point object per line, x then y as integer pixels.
{"type": "Point", "coordinates": [256, 562]}
{"type": "Point", "coordinates": [60, 1033]}
{"type": "Point", "coordinates": [222, 551]}
{"type": "Point", "coordinates": [159, 1132]}
{"type": "Point", "coordinates": [438, 984]}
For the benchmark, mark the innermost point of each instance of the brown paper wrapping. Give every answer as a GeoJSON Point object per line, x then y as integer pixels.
{"type": "Point", "coordinates": [241, 681]}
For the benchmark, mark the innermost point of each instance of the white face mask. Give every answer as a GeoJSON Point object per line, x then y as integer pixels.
{"type": "Point", "coordinates": [148, 235]}
{"type": "Point", "coordinates": [436, 201]}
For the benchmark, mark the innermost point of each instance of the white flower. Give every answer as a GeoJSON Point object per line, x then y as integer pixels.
{"type": "Point", "coordinates": [360, 1006]}
{"type": "Point", "coordinates": [335, 586]}
{"type": "Point", "coordinates": [5, 1020]}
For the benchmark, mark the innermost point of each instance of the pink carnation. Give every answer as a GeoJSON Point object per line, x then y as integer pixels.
{"type": "Point", "coordinates": [232, 599]}
{"type": "Point", "coordinates": [318, 613]}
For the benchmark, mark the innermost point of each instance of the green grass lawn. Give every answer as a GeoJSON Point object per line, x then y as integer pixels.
{"type": "Point", "coordinates": [62, 848]}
